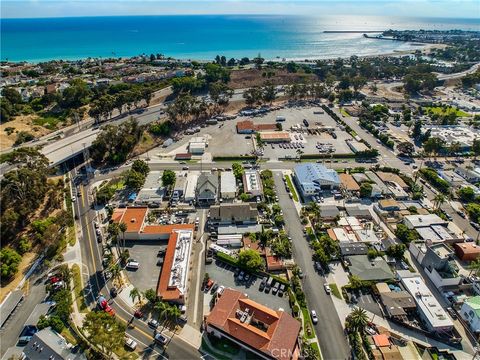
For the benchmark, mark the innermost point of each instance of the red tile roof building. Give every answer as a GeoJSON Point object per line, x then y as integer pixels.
{"type": "Point", "coordinates": [248, 127]}
{"type": "Point", "coordinates": [267, 333]}
{"type": "Point", "coordinates": [172, 282]}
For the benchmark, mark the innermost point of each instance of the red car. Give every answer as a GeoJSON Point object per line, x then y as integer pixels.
{"type": "Point", "coordinates": [138, 314]}
{"type": "Point", "coordinates": [54, 279]}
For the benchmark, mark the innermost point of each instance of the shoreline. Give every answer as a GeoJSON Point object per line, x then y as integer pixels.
{"type": "Point", "coordinates": [424, 47]}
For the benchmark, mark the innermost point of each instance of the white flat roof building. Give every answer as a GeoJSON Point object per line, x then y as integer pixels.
{"type": "Point", "coordinates": [429, 308]}
{"type": "Point", "coordinates": [179, 271]}
{"type": "Point", "coordinates": [192, 179]}
{"type": "Point", "coordinates": [228, 185]}
{"type": "Point", "coordinates": [341, 235]}
{"type": "Point", "coordinates": [416, 221]}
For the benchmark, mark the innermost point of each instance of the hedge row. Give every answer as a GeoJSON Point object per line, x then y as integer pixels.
{"type": "Point", "coordinates": [234, 158]}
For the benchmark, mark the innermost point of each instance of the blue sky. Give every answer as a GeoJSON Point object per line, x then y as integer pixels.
{"type": "Point", "coordinates": [64, 8]}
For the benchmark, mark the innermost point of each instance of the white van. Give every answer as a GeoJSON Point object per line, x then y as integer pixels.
{"type": "Point", "coordinates": [280, 118]}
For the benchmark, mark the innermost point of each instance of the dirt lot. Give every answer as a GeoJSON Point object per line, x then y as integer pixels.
{"type": "Point", "coordinates": [20, 123]}
{"type": "Point", "coordinates": [241, 79]}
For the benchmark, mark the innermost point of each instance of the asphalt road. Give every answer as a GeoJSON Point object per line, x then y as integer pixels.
{"type": "Point", "coordinates": [329, 329]}
{"type": "Point", "coordinates": [35, 294]}
{"type": "Point", "coordinates": [91, 255]}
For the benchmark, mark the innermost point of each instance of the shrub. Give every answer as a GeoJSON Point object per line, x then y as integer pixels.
{"type": "Point", "coordinates": [9, 260]}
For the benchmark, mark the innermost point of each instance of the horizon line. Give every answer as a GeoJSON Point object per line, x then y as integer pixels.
{"type": "Point", "coordinates": [230, 14]}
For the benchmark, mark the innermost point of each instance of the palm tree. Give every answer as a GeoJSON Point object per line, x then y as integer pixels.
{"type": "Point", "coordinates": [357, 320]}
{"type": "Point", "coordinates": [123, 228]}
{"type": "Point", "coordinates": [161, 307]}
{"type": "Point", "coordinates": [474, 267]}
{"type": "Point", "coordinates": [438, 200]}
{"type": "Point", "coordinates": [115, 270]}
{"type": "Point", "coordinates": [173, 313]}
{"type": "Point", "coordinates": [134, 294]}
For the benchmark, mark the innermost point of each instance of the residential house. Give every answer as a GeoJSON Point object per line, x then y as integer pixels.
{"type": "Point", "coordinates": [472, 176]}
{"type": "Point", "coordinates": [237, 213]}
{"type": "Point", "coordinates": [252, 183]}
{"type": "Point", "coordinates": [369, 269]}
{"type": "Point", "coordinates": [437, 260]}
{"type": "Point", "coordinates": [207, 189]}
{"type": "Point", "coordinates": [467, 251]}
{"type": "Point", "coordinates": [470, 312]}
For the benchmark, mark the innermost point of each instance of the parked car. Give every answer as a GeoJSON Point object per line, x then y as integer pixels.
{"type": "Point", "coordinates": [113, 292]}
{"type": "Point", "coordinates": [313, 315]}
{"type": "Point", "coordinates": [153, 323]}
{"type": "Point", "coordinates": [452, 313]}
{"type": "Point", "coordinates": [262, 284]}
{"type": "Point", "coordinates": [138, 314]}
{"type": "Point", "coordinates": [133, 264]}
{"type": "Point", "coordinates": [161, 339]}
{"type": "Point", "coordinates": [275, 288]}
{"type": "Point", "coordinates": [220, 290]}
{"type": "Point", "coordinates": [327, 289]}
{"type": "Point", "coordinates": [130, 343]}
{"type": "Point", "coordinates": [214, 288]}
{"type": "Point", "coordinates": [281, 291]}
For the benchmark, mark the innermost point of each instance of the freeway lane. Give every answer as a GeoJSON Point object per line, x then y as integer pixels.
{"type": "Point", "coordinates": [177, 348]}
{"type": "Point", "coordinates": [329, 329]}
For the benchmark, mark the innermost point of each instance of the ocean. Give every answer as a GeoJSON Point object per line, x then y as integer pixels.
{"type": "Point", "coordinates": [202, 37]}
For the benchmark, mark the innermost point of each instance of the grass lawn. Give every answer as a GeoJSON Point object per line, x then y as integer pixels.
{"type": "Point", "coordinates": [125, 354]}
{"type": "Point", "coordinates": [78, 289]}
{"type": "Point", "coordinates": [48, 122]}
{"type": "Point", "coordinates": [224, 345]}
{"type": "Point", "coordinates": [67, 334]}
{"type": "Point", "coordinates": [314, 345]}
{"type": "Point", "coordinates": [344, 112]}
{"type": "Point", "coordinates": [292, 188]}
{"type": "Point", "coordinates": [211, 351]}
{"type": "Point", "coordinates": [438, 110]}
{"type": "Point", "coordinates": [335, 290]}
{"type": "Point", "coordinates": [307, 323]}
{"type": "Point", "coordinates": [71, 238]}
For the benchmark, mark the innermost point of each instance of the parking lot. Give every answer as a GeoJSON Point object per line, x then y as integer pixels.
{"type": "Point", "coordinates": [309, 140]}
{"type": "Point", "coordinates": [145, 252]}
{"type": "Point", "coordinates": [223, 274]}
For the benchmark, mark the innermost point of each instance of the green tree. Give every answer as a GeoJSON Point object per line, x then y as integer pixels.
{"type": "Point", "coordinates": [434, 146]}
{"type": "Point", "coordinates": [9, 260]}
{"type": "Point", "coordinates": [141, 167]}
{"type": "Point", "coordinates": [357, 320]}
{"type": "Point", "coordinates": [220, 94]}
{"type": "Point", "coordinates": [162, 308]}
{"type": "Point", "coordinates": [474, 267]}
{"type": "Point", "coordinates": [439, 200]}
{"type": "Point", "coordinates": [396, 251]}
{"type": "Point", "coordinates": [135, 294]}
{"type": "Point", "coordinates": [151, 296]}
{"type": "Point", "coordinates": [417, 129]}
{"type": "Point", "coordinates": [405, 234]}
{"type": "Point", "coordinates": [104, 331]}
{"type": "Point", "coordinates": [268, 92]}
{"type": "Point", "coordinates": [173, 313]}
{"type": "Point", "coordinates": [365, 190]}
{"type": "Point", "coordinates": [406, 148]}
{"type": "Point", "coordinates": [251, 259]}
{"type": "Point", "coordinates": [134, 180]}
{"type": "Point", "coordinates": [168, 178]}
{"type": "Point", "coordinates": [238, 170]}
{"type": "Point", "coordinates": [476, 147]}
{"type": "Point", "coordinates": [466, 194]}
{"type": "Point", "coordinates": [122, 227]}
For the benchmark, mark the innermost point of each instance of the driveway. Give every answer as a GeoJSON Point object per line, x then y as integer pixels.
{"type": "Point", "coordinates": [223, 274]}
{"type": "Point", "coordinates": [146, 276]}
{"type": "Point", "coordinates": [329, 329]}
